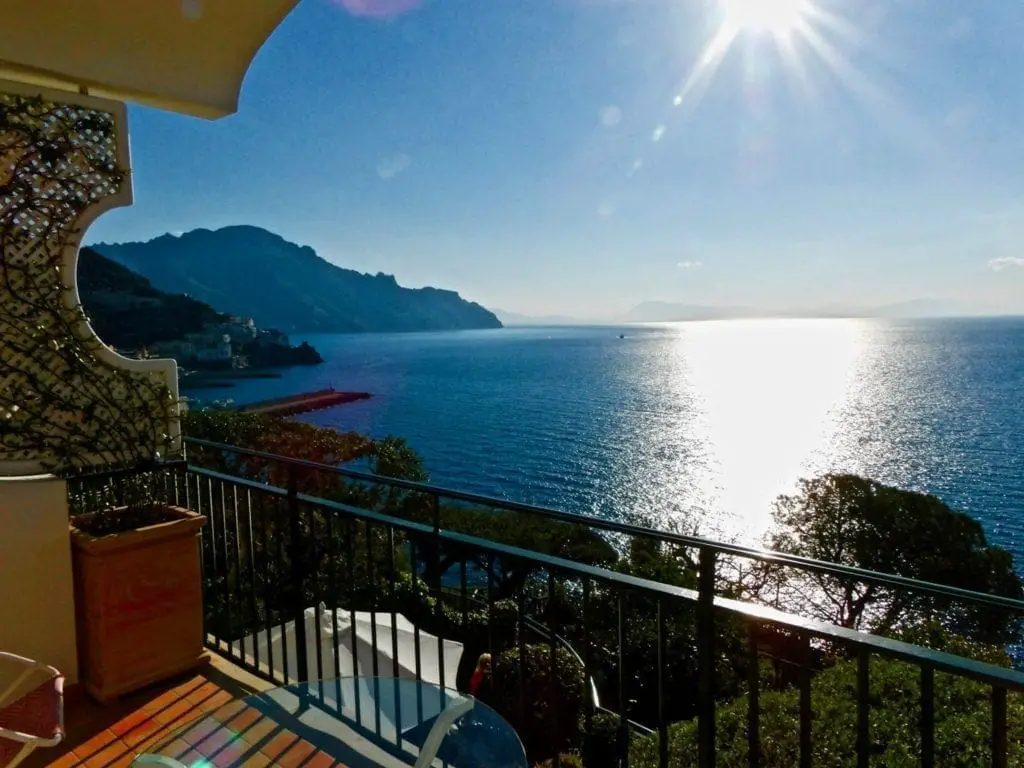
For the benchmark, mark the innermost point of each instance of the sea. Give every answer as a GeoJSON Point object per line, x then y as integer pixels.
{"type": "Point", "coordinates": [696, 427]}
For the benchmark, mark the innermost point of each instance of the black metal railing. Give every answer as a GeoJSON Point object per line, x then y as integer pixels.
{"type": "Point", "coordinates": [272, 551]}
{"type": "Point", "coordinates": [718, 549]}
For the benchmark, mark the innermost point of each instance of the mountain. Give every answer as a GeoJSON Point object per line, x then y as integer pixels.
{"type": "Point", "coordinates": [127, 312]}
{"type": "Point", "coordinates": [667, 312]}
{"type": "Point", "coordinates": [514, 318]}
{"type": "Point", "coordinates": [928, 308]}
{"type": "Point", "coordinates": [251, 272]}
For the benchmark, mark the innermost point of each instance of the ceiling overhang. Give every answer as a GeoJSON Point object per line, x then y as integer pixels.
{"type": "Point", "coordinates": [187, 56]}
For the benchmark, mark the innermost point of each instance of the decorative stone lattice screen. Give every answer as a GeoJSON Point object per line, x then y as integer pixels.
{"type": "Point", "coordinates": [66, 400]}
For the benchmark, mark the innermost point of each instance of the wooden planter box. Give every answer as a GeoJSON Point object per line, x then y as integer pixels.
{"type": "Point", "coordinates": [138, 604]}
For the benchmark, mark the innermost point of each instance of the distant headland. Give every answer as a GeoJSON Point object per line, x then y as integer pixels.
{"type": "Point", "coordinates": [249, 272]}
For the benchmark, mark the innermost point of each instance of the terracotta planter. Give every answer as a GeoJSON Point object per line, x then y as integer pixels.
{"type": "Point", "coordinates": [138, 603]}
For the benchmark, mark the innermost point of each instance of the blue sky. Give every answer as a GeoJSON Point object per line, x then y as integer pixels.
{"type": "Point", "coordinates": [535, 156]}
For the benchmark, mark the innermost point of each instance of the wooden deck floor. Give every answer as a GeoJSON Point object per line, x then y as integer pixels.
{"type": "Point", "coordinates": [175, 716]}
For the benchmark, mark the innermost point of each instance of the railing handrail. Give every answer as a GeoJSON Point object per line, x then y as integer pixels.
{"type": "Point", "coordinates": [812, 565]}
{"type": "Point", "coordinates": [897, 649]}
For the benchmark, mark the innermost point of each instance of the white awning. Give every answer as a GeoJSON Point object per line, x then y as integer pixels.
{"type": "Point", "coordinates": [186, 56]}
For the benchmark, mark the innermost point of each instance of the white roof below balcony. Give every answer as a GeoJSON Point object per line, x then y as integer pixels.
{"type": "Point", "coordinates": [187, 56]}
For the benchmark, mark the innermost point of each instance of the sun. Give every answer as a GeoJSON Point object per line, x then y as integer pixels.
{"type": "Point", "coordinates": [779, 18]}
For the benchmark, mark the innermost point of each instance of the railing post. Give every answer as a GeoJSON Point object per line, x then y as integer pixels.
{"type": "Point", "coordinates": [662, 715]}
{"type": "Point", "coordinates": [754, 698]}
{"type": "Point", "coordinates": [999, 727]}
{"type": "Point", "coordinates": [297, 555]}
{"type": "Point", "coordinates": [706, 659]}
{"type": "Point", "coordinates": [863, 708]}
{"type": "Point", "coordinates": [804, 674]}
{"type": "Point", "coordinates": [439, 597]}
{"type": "Point", "coordinates": [927, 717]}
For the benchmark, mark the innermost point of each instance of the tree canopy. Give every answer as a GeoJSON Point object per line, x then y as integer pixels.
{"type": "Point", "coordinates": [859, 522]}
{"type": "Point", "coordinates": [388, 457]}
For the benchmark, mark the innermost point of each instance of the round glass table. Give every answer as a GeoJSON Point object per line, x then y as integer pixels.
{"type": "Point", "coordinates": [356, 722]}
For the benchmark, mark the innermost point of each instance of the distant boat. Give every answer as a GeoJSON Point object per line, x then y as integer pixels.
{"type": "Point", "coordinates": [622, 335]}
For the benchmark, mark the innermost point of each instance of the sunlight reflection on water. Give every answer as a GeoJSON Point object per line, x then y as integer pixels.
{"type": "Point", "coordinates": [695, 425]}
{"type": "Point", "coordinates": [756, 400]}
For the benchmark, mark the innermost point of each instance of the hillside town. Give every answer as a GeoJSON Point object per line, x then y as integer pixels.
{"type": "Point", "coordinates": [234, 342]}
{"type": "Point", "coordinates": [219, 344]}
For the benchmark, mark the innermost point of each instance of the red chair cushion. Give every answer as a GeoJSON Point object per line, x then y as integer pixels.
{"type": "Point", "coordinates": [36, 713]}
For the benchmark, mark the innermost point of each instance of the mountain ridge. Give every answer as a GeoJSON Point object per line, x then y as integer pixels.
{"type": "Point", "coordinates": [667, 311]}
{"type": "Point", "coordinates": [127, 312]}
{"type": "Point", "coordinates": [658, 311]}
{"type": "Point", "coordinates": [249, 271]}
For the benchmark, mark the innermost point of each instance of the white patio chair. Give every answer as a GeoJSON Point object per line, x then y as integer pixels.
{"type": "Point", "coordinates": [31, 716]}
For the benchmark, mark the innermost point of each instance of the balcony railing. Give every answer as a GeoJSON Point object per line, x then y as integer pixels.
{"type": "Point", "coordinates": [271, 550]}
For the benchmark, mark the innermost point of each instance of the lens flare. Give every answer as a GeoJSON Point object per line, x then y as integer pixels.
{"type": "Point", "coordinates": [378, 9]}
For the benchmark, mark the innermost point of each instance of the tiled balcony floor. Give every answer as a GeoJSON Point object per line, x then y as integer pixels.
{"type": "Point", "coordinates": [114, 734]}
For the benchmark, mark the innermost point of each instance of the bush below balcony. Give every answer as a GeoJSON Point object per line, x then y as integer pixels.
{"type": "Point", "coordinates": [963, 724]}
{"type": "Point", "coordinates": [547, 717]}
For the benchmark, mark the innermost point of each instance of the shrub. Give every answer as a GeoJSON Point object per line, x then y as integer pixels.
{"type": "Point", "coordinates": [962, 723]}
{"type": "Point", "coordinates": [599, 745]}
{"type": "Point", "coordinates": [565, 760]}
{"type": "Point", "coordinates": [551, 704]}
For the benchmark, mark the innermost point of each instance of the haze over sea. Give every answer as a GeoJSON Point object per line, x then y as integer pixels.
{"type": "Point", "coordinates": [695, 425]}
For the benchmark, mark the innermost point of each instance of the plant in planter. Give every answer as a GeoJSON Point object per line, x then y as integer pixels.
{"type": "Point", "coordinates": [138, 593]}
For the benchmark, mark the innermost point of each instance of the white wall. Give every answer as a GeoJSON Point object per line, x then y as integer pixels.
{"type": "Point", "coordinates": [37, 605]}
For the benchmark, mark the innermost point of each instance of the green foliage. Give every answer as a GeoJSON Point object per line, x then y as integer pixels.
{"type": "Point", "coordinates": [962, 721]}
{"type": "Point", "coordinates": [282, 436]}
{"type": "Point", "coordinates": [855, 521]}
{"type": "Point", "coordinates": [343, 562]}
{"type": "Point", "coordinates": [565, 760]}
{"type": "Point", "coordinates": [545, 711]}
{"type": "Point", "coordinates": [653, 560]}
{"type": "Point", "coordinates": [270, 433]}
{"type": "Point", "coordinates": [578, 543]}
{"type": "Point", "coordinates": [392, 457]}
{"type": "Point", "coordinates": [852, 520]}
{"type": "Point", "coordinates": [600, 744]}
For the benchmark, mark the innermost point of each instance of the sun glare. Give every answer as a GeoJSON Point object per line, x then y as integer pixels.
{"type": "Point", "coordinates": [784, 22]}
{"type": "Point", "coordinates": [776, 17]}
{"type": "Point", "coordinates": [808, 37]}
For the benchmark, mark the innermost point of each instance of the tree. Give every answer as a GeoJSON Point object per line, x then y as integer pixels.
{"type": "Point", "coordinates": [578, 543]}
{"type": "Point", "coordinates": [859, 522]}
{"type": "Point", "coordinates": [282, 436]}
{"type": "Point", "coordinates": [357, 554]}
{"type": "Point", "coordinates": [345, 561]}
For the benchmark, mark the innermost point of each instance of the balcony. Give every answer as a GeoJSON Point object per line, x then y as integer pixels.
{"type": "Point", "coordinates": [589, 659]}
{"type": "Point", "coordinates": [648, 666]}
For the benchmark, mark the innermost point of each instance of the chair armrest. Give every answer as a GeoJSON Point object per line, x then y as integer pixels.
{"type": "Point", "coordinates": [30, 666]}
{"type": "Point", "coordinates": [29, 738]}
{"type": "Point", "coordinates": [16, 659]}
{"type": "Point", "coordinates": [444, 721]}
